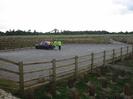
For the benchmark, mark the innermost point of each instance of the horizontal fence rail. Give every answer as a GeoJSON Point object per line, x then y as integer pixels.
{"type": "Point", "coordinates": [7, 72]}
{"type": "Point", "coordinates": [40, 73]}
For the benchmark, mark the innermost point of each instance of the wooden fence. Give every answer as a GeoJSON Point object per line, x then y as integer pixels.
{"type": "Point", "coordinates": [30, 75]}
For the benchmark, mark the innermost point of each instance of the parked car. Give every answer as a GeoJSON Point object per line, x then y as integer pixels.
{"type": "Point", "coordinates": [44, 45]}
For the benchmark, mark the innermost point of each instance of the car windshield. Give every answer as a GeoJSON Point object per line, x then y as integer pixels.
{"type": "Point", "coordinates": [45, 43]}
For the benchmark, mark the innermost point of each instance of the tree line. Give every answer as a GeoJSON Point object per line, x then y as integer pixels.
{"type": "Point", "coordinates": [66, 32]}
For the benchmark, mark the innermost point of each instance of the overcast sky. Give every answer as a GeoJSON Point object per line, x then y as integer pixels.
{"type": "Point", "coordinates": [45, 15]}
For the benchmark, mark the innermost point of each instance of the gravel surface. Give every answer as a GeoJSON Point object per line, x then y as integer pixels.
{"type": "Point", "coordinates": [36, 55]}
{"type": "Point", "coordinates": [68, 50]}
{"type": "Point", "coordinates": [6, 95]}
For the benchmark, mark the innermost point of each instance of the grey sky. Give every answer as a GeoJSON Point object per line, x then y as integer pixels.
{"type": "Point", "coordinates": [126, 5]}
{"type": "Point", "coordinates": [45, 15]}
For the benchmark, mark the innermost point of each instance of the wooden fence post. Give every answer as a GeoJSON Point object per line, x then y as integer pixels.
{"type": "Point", "coordinates": [113, 58]}
{"type": "Point", "coordinates": [21, 78]}
{"type": "Point", "coordinates": [121, 54]}
{"type": "Point", "coordinates": [54, 76]}
{"type": "Point", "coordinates": [127, 51]}
{"type": "Point", "coordinates": [104, 58]}
{"type": "Point", "coordinates": [92, 61]}
{"type": "Point", "coordinates": [132, 50]}
{"type": "Point", "coordinates": [76, 67]}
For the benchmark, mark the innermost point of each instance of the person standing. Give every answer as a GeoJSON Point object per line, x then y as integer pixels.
{"type": "Point", "coordinates": [55, 43]}
{"type": "Point", "coordinates": [59, 44]}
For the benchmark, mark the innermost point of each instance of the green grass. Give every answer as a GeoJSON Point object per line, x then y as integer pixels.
{"type": "Point", "coordinates": [9, 85]}
{"type": "Point", "coordinates": [115, 89]}
{"type": "Point", "coordinates": [11, 42]}
{"type": "Point", "coordinates": [128, 63]}
{"type": "Point", "coordinates": [81, 86]}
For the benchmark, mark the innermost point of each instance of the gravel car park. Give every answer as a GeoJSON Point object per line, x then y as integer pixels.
{"type": "Point", "coordinates": [40, 55]}
{"type": "Point", "coordinates": [68, 50]}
